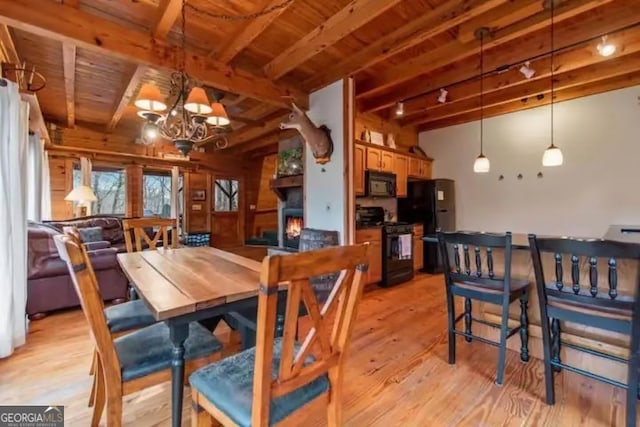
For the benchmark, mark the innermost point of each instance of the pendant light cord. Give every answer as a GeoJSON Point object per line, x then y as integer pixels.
{"type": "Point", "coordinates": [552, 67]}
{"type": "Point", "coordinates": [481, 92]}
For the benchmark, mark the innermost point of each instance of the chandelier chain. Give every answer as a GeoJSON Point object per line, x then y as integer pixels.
{"type": "Point", "coordinates": [246, 17]}
{"type": "Point", "coordinates": [552, 67]}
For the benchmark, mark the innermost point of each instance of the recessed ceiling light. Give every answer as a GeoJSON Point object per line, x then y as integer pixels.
{"type": "Point", "coordinates": [400, 109]}
{"type": "Point", "coordinates": [605, 48]}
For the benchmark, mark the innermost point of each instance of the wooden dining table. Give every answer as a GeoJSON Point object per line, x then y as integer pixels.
{"type": "Point", "coordinates": [190, 284]}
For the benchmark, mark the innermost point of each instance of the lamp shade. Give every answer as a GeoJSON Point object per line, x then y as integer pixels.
{"type": "Point", "coordinates": [481, 165]}
{"type": "Point", "coordinates": [197, 102]}
{"type": "Point", "coordinates": [150, 98]}
{"type": "Point", "coordinates": [218, 115]}
{"type": "Point", "coordinates": [552, 156]}
{"type": "Point", "coordinates": [82, 193]}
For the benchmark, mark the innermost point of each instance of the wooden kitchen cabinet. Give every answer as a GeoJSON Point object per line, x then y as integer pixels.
{"type": "Point", "coordinates": [387, 161]}
{"type": "Point", "coordinates": [401, 169]}
{"type": "Point", "coordinates": [418, 247]}
{"type": "Point", "coordinates": [374, 237]}
{"type": "Point", "coordinates": [379, 160]}
{"type": "Point", "coordinates": [358, 169]}
{"type": "Point", "coordinates": [419, 168]}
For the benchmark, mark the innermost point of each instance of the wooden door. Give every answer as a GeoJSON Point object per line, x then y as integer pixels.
{"type": "Point", "coordinates": [226, 213]}
{"type": "Point", "coordinates": [401, 169]}
{"type": "Point", "coordinates": [358, 169]}
{"type": "Point", "coordinates": [386, 158]}
{"type": "Point", "coordinates": [374, 159]}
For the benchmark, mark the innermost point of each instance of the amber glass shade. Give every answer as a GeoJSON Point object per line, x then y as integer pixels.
{"type": "Point", "coordinates": [150, 98]}
{"type": "Point", "coordinates": [218, 115]}
{"type": "Point", "coordinates": [197, 102]}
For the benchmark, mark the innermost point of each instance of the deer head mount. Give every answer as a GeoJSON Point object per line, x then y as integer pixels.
{"type": "Point", "coordinates": [318, 138]}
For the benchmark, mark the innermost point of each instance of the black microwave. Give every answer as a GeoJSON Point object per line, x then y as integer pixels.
{"type": "Point", "coordinates": [380, 184]}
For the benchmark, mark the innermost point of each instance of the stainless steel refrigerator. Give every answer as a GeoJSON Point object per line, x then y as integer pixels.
{"type": "Point", "coordinates": [431, 203]}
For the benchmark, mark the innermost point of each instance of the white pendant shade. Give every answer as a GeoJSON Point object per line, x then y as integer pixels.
{"type": "Point", "coordinates": [481, 165]}
{"type": "Point", "coordinates": [218, 115]}
{"type": "Point", "coordinates": [197, 102]}
{"type": "Point", "coordinates": [552, 156]}
{"type": "Point", "coordinates": [150, 98]}
{"type": "Point", "coordinates": [83, 193]}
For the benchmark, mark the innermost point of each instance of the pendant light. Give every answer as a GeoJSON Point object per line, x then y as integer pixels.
{"type": "Point", "coordinates": [552, 155]}
{"type": "Point", "coordinates": [481, 165]}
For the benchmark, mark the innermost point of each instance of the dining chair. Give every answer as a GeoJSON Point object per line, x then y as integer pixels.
{"type": "Point", "coordinates": [475, 282]}
{"type": "Point", "coordinates": [134, 361]}
{"type": "Point", "coordinates": [265, 384]}
{"type": "Point", "coordinates": [121, 319]}
{"type": "Point", "coordinates": [612, 306]}
{"type": "Point", "coordinates": [149, 233]}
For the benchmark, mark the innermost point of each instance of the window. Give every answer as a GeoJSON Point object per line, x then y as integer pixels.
{"type": "Point", "coordinates": [109, 186]}
{"type": "Point", "coordinates": [156, 194]}
{"type": "Point", "coordinates": [226, 195]}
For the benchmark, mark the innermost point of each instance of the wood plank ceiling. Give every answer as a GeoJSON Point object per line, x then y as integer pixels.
{"type": "Point", "coordinates": [95, 55]}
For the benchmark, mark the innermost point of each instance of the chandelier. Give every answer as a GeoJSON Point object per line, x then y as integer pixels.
{"type": "Point", "coordinates": [191, 120]}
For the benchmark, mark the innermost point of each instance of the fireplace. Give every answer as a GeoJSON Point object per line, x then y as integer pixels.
{"type": "Point", "coordinates": [292, 220]}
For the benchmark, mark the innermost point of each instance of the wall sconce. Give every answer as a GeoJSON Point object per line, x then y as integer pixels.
{"type": "Point", "coordinates": [443, 96]}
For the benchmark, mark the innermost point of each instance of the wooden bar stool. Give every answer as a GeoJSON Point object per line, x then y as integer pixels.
{"type": "Point", "coordinates": [474, 282]}
{"type": "Point", "coordinates": [134, 361]}
{"type": "Point", "coordinates": [264, 385]}
{"type": "Point", "coordinates": [613, 306]}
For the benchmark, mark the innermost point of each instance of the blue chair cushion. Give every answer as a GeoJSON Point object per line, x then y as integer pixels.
{"type": "Point", "coordinates": [129, 315]}
{"type": "Point", "coordinates": [149, 350]}
{"type": "Point", "coordinates": [228, 384]}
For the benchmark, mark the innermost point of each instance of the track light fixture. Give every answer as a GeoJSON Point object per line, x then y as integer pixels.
{"type": "Point", "coordinates": [400, 109]}
{"type": "Point", "coordinates": [527, 71]}
{"type": "Point", "coordinates": [605, 48]}
{"type": "Point", "coordinates": [443, 96]}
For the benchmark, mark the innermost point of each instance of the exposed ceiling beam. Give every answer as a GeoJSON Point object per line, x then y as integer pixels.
{"type": "Point", "coordinates": [271, 124]}
{"type": "Point", "coordinates": [433, 22]}
{"type": "Point", "coordinates": [250, 32]}
{"type": "Point", "coordinates": [263, 151]}
{"type": "Point", "coordinates": [628, 42]}
{"type": "Point", "coordinates": [265, 140]}
{"type": "Point", "coordinates": [168, 12]}
{"type": "Point", "coordinates": [69, 66]}
{"type": "Point", "coordinates": [446, 72]}
{"type": "Point", "coordinates": [88, 31]}
{"type": "Point", "coordinates": [531, 89]}
{"type": "Point", "coordinates": [500, 17]}
{"type": "Point", "coordinates": [128, 92]}
{"type": "Point", "coordinates": [72, 3]}
{"type": "Point", "coordinates": [8, 50]}
{"type": "Point", "coordinates": [347, 20]}
{"type": "Point", "coordinates": [614, 83]}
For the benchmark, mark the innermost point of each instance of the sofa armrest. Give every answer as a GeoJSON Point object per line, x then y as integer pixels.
{"type": "Point", "coordinates": [92, 246]}
{"type": "Point", "coordinates": [103, 259]}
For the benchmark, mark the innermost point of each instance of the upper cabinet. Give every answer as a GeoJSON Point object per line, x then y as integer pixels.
{"type": "Point", "coordinates": [401, 169]}
{"type": "Point", "coordinates": [358, 169]}
{"type": "Point", "coordinates": [419, 168]}
{"type": "Point", "coordinates": [379, 160]}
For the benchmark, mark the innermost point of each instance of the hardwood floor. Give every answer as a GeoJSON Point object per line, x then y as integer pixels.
{"type": "Point", "coordinates": [397, 374]}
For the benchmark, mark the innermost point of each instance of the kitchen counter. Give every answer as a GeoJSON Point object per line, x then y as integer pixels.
{"type": "Point", "coordinates": [522, 268]}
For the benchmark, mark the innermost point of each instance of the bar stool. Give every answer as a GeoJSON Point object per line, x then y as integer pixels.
{"type": "Point", "coordinates": [587, 304]}
{"type": "Point", "coordinates": [483, 285]}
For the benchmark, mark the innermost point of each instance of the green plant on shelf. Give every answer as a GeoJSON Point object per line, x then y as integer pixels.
{"type": "Point", "coordinates": [290, 162]}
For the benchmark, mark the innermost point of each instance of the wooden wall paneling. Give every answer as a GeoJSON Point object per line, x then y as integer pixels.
{"type": "Point", "coordinates": [261, 205]}
{"type": "Point", "coordinates": [405, 137]}
{"type": "Point", "coordinates": [61, 181]}
{"type": "Point", "coordinates": [198, 212]}
{"type": "Point", "coordinates": [134, 191]}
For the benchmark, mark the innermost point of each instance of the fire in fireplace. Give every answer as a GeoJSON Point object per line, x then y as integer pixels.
{"type": "Point", "coordinates": [293, 224]}
{"type": "Point", "coordinates": [293, 228]}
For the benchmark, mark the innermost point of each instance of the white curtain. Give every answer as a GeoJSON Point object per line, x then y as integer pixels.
{"type": "Point", "coordinates": [45, 199]}
{"type": "Point", "coordinates": [14, 133]}
{"type": "Point", "coordinates": [38, 187]}
{"type": "Point", "coordinates": [85, 178]}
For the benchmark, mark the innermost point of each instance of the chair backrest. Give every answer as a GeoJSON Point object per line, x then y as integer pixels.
{"type": "Point", "coordinates": [571, 253]}
{"type": "Point", "coordinates": [84, 279]}
{"type": "Point", "coordinates": [160, 227]}
{"type": "Point", "coordinates": [457, 242]}
{"type": "Point", "coordinates": [296, 368]}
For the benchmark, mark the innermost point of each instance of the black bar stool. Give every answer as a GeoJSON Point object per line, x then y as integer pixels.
{"type": "Point", "coordinates": [476, 283]}
{"type": "Point", "coordinates": [587, 304]}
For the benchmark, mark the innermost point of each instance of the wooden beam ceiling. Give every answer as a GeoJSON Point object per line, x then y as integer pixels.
{"type": "Point", "coordinates": [628, 43]}
{"type": "Point", "coordinates": [69, 66]}
{"type": "Point", "coordinates": [431, 23]}
{"type": "Point", "coordinates": [502, 16]}
{"type": "Point", "coordinates": [445, 71]}
{"type": "Point", "coordinates": [271, 123]}
{"type": "Point", "coordinates": [606, 85]}
{"type": "Point", "coordinates": [8, 51]}
{"type": "Point", "coordinates": [67, 24]}
{"type": "Point", "coordinates": [455, 51]}
{"type": "Point", "coordinates": [128, 92]}
{"type": "Point", "coordinates": [168, 12]}
{"type": "Point", "coordinates": [531, 89]}
{"type": "Point", "coordinates": [353, 16]}
{"type": "Point", "coordinates": [270, 138]}
{"type": "Point", "coordinates": [250, 32]}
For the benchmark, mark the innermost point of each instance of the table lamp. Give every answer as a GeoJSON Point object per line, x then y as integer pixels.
{"type": "Point", "coordinates": [82, 195]}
